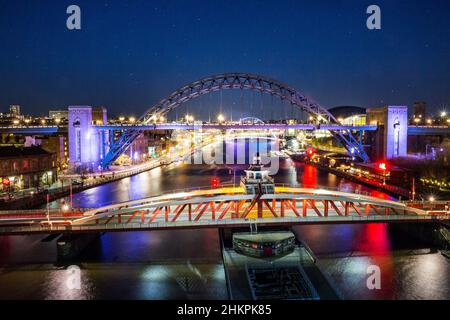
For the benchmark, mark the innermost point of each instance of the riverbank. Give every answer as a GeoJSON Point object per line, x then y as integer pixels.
{"type": "Point", "coordinates": [389, 189]}
{"type": "Point", "coordinates": [40, 198]}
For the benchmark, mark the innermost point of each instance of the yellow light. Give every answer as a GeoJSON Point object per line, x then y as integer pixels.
{"type": "Point", "coordinates": [27, 120]}
{"type": "Point", "coordinates": [443, 114]}
{"type": "Point", "coordinates": [340, 119]}
{"type": "Point", "coordinates": [57, 120]}
{"type": "Point", "coordinates": [429, 121]}
{"type": "Point", "coordinates": [43, 121]}
{"type": "Point", "coordinates": [221, 118]}
{"type": "Point", "coordinates": [416, 120]}
{"type": "Point", "coordinates": [121, 118]}
{"type": "Point", "coordinates": [16, 122]}
{"type": "Point", "coordinates": [162, 119]}
{"type": "Point", "coordinates": [132, 119]}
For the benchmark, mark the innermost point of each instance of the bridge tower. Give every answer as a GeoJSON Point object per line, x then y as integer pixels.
{"type": "Point", "coordinates": [87, 145]}
{"type": "Point", "coordinates": [391, 138]}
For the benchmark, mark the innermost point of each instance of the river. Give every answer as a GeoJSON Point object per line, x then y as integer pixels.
{"type": "Point", "coordinates": [187, 264]}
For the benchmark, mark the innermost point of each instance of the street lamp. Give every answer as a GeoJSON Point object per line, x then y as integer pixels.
{"type": "Point", "coordinates": [443, 114]}
{"type": "Point", "coordinates": [132, 119]}
{"type": "Point", "coordinates": [121, 119]}
{"type": "Point", "coordinates": [429, 121]}
{"type": "Point", "coordinates": [220, 118]}
{"type": "Point", "coordinates": [382, 165]}
{"type": "Point", "coordinates": [57, 120]}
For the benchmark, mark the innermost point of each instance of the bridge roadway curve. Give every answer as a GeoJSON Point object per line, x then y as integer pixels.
{"type": "Point", "coordinates": [222, 207]}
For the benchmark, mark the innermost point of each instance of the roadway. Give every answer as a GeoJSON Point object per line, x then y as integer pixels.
{"type": "Point", "coordinates": [222, 207]}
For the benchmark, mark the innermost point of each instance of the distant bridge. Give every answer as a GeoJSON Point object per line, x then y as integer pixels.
{"type": "Point", "coordinates": [412, 130]}
{"type": "Point", "coordinates": [222, 207]}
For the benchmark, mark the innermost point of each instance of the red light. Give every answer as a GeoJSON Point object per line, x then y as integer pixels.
{"type": "Point", "coordinates": [215, 182]}
{"type": "Point", "coordinates": [382, 166]}
{"type": "Point", "coordinates": [6, 182]}
{"type": "Point", "coordinates": [310, 152]}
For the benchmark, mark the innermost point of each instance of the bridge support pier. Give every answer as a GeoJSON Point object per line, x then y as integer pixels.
{"type": "Point", "coordinates": [87, 145]}
{"type": "Point", "coordinates": [426, 232]}
{"type": "Point", "coordinates": [70, 246]}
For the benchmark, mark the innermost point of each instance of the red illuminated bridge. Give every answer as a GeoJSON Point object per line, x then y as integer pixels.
{"type": "Point", "coordinates": [223, 207]}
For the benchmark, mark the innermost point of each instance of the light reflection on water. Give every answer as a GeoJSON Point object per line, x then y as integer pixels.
{"type": "Point", "coordinates": [187, 264]}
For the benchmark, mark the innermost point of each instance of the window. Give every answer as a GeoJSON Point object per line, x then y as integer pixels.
{"type": "Point", "coordinates": [78, 145]}
{"type": "Point", "coordinates": [396, 138]}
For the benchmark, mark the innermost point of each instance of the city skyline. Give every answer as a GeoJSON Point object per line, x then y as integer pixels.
{"type": "Point", "coordinates": [324, 50]}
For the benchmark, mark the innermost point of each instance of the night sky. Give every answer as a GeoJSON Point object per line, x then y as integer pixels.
{"type": "Point", "coordinates": [130, 54]}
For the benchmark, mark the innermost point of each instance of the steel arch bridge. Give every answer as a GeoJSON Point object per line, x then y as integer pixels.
{"type": "Point", "coordinates": [251, 120]}
{"type": "Point", "coordinates": [241, 81]}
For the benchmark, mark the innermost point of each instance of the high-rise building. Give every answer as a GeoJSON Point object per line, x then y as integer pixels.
{"type": "Point", "coordinates": [14, 111]}
{"type": "Point", "coordinates": [99, 115]}
{"type": "Point", "coordinates": [419, 110]}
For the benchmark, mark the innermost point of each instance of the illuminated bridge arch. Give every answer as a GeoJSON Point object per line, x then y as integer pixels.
{"type": "Point", "coordinates": [236, 81]}
{"type": "Point", "coordinates": [251, 120]}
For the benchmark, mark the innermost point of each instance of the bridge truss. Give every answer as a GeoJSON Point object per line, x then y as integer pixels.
{"type": "Point", "coordinates": [243, 81]}
{"type": "Point", "coordinates": [225, 207]}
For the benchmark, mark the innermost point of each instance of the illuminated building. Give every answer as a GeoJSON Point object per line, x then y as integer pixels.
{"type": "Point", "coordinates": [58, 114]}
{"type": "Point", "coordinates": [26, 167]}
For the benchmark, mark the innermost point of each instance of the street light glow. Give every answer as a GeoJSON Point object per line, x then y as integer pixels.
{"type": "Point", "coordinates": [132, 119]}
{"type": "Point", "coordinates": [221, 118]}
{"type": "Point", "coordinates": [431, 198]}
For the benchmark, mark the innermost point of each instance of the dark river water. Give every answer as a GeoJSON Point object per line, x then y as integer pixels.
{"type": "Point", "coordinates": [187, 264]}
